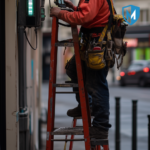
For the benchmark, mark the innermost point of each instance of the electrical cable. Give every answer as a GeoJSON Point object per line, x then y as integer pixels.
{"type": "Point", "coordinates": [50, 6]}
{"type": "Point", "coordinates": [35, 30]}
{"type": "Point", "coordinates": [66, 25]}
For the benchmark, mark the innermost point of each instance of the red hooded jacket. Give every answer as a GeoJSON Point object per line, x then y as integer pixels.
{"type": "Point", "coordinates": [89, 14]}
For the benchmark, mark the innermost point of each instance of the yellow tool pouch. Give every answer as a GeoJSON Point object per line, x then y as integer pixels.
{"type": "Point", "coordinates": [95, 59]}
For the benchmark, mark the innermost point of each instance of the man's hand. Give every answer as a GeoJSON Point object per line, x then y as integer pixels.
{"type": "Point", "coordinates": [69, 4]}
{"type": "Point", "coordinates": [54, 11]}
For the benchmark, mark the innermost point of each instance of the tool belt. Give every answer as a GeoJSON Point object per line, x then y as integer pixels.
{"type": "Point", "coordinates": [104, 52]}
{"type": "Point", "coordinates": [90, 52]}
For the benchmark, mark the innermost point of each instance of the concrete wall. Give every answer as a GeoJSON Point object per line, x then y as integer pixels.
{"type": "Point", "coordinates": [12, 80]}
{"type": "Point", "coordinates": [12, 126]}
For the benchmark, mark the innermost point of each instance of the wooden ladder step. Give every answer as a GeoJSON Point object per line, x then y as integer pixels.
{"type": "Point", "coordinates": [66, 92]}
{"type": "Point", "coordinates": [68, 131]}
{"type": "Point", "coordinates": [64, 44]}
{"type": "Point", "coordinates": [93, 141]}
{"type": "Point", "coordinates": [80, 117]}
{"type": "Point", "coordinates": [68, 140]}
{"type": "Point", "coordinates": [66, 85]}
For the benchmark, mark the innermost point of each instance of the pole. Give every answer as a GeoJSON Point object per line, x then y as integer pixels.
{"type": "Point", "coordinates": [134, 124]}
{"type": "Point", "coordinates": [148, 132]}
{"type": "Point", "coordinates": [40, 132]}
{"type": "Point", "coordinates": [23, 113]}
{"type": "Point", "coordinates": [117, 123]}
{"type": "Point", "coordinates": [2, 77]}
{"type": "Point", "coordinates": [22, 69]}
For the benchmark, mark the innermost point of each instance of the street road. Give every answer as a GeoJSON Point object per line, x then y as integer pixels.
{"type": "Point", "coordinates": [127, 94]}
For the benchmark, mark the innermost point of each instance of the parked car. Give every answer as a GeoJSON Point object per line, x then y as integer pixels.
{"type": "Point", "coordinates": [137, 73]}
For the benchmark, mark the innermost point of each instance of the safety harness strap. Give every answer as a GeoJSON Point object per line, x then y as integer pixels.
{"type": "Point", "coordinates": [108, 26]}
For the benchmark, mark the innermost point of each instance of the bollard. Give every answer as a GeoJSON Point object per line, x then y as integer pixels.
{"type": "Point", "coordinates": [134, 124]}
{"type": "Point", "coordinates": [117, 123]}
{"type": "Point", "coordinates": [148, 132]}
{"type": "Point", "coordinates": [40, 134]}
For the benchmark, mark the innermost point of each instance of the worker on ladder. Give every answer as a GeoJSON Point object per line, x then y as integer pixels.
{"type": "Point", "coordinates": [93, 16]}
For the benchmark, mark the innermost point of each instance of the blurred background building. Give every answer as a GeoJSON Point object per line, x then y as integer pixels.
{"type": "Point", "coordinates": [137, 35]}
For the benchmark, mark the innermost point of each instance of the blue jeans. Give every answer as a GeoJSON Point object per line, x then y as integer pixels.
{"type": "Point", "coordinates": [98, 93]}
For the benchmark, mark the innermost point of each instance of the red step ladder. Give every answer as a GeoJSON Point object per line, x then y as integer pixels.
{"type": "Point", "coordinates": [86, 117]}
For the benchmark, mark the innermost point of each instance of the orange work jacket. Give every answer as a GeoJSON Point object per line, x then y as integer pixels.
{"type": "Point", "coordinates": [89, 14]}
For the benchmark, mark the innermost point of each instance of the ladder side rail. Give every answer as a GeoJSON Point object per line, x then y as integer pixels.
{"type": "Point", "coordinates": [86, 94]}
{"type": "Point", "coordinates": [88, 107]}
{"type": "Point", "coordinates": [106, 147]}
{"type": "Point", "coordinates": [84, 109]}
{"type": "Point", "coordinates": [72, 136]}
{"type": "Point", "coordinates": [98, 147]}
{"type": "Point", "coordinates": [52, 90]}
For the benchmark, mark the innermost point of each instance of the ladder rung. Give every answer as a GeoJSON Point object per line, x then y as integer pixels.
{"type": "Point", "coordinates": [66, 85]}
{"type": "Point", "coordinates": [66, 92]}
{"type": "Point", "coordinates": [67, 139]}
{"type": "Point", "coordinates": [81, 117]}
{"type": "Point", "coordinates": [69, 44]}
{"type": "Point", "coordinates": [99, 141]}
{"type": "Point", "coordinates": [68, 131]}
{"type": "Point", "coordinates": [65, 44]}
{"type": "Point", "coordinates": [69, 82]}
{"type": "Point", "coordinates": [93, 141]}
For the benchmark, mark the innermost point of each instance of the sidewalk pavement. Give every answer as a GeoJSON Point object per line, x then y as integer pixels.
{"type": "Point", "coordinates": [65, 102]}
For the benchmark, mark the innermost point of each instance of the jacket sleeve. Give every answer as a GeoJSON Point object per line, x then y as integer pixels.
{"type": "Point", "coordinates": [86, 12]}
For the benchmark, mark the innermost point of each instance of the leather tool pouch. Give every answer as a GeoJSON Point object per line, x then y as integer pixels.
{"type": "Point", "coordinates": [118, 40]}
{"type": "Point", "coordinates": [118, 33]}
{"type": "Point", "coordinates": [109, 55]}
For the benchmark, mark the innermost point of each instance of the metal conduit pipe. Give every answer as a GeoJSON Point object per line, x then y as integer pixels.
{"type": "Point", "coordinates": [22, 69]}
{"type": "Point", "coordinates": [23, 113]}
{"type": "Point", "coordinates": [2, 78]}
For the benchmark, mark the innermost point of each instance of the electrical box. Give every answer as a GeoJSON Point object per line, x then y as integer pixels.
{"type": "Point", "coordinates": [31, 13]}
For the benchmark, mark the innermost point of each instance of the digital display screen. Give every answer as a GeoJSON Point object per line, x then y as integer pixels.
{"type": "Point", "coordinates": [30, 7]}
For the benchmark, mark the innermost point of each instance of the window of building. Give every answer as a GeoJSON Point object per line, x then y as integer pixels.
{"type": "Point", "coordinates": [143, 18]}
{"type": "Point", "coordinates": [144, 15]}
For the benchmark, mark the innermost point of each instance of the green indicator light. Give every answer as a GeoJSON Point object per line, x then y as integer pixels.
{"type": "Point", "coordinates": [30, 8]}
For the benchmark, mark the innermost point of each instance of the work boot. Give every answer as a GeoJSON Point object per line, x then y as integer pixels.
{"type": "Point", "coordinates": [98, 133]}
{"type": "Point", "coordinates": [76, 112]}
